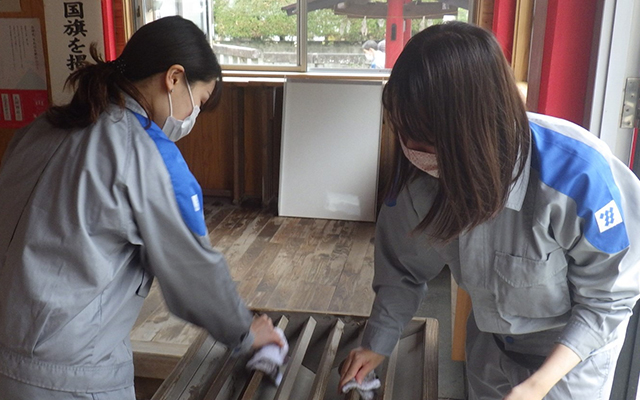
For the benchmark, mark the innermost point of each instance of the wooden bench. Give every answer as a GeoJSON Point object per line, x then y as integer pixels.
{"type": "Point", "coordinates": [318, 343]}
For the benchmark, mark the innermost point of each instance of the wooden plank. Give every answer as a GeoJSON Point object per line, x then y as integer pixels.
{"type": "Point", "coordinates": [353, 292]}
{"type": "Point", "coordinates": [388, 376]}
{"type": "Point", "coordinates": [462, 311]}
{"type": "Point", "coordinates": [297, 355]}
{"type": "Point", "coordinates": [239, 172]}
{"type": "Point", "coordinates": [326, 362]}
{"type": "Point", "coordinates": [256, 376]}
{"type": "Point", "coordinates": [484, 15]}
{"type": "Point", "coordinates": [221, 377]}
{"type": "Point", "coordinates": [214, 219]}
{"type": "Point", "coordinates": [156, 360]}
{"type": "Point", "coordinates": [522, 39]}
{"type": "Point", "coordinates": [329, 273]}
{"type": "Point", "coordinates": [353, 395]}
{"type": "Point", "coordinates": [177, 330]}
{"type": "Point", "coordinates": [321, 296]}
{"type": "Point", "coordinates": [248, 234]}
{"type": "Point", "coordinates": [234, 228]}
{"type": "Point", "coordinates": [242, 265]}
{"type": "Point", "coordinates": [536, 54]}
{"type": "Point", "coordinates": [430, 360]}
{"type": "Point", "coordinates": [179, 378]}
{"type": "Point", "coordinates": [161, 319]}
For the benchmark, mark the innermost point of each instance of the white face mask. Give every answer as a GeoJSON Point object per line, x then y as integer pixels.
{"type": "Point", "coordinates": [426, 162]}
{"type": "Point", "coordinates": [176, 129]}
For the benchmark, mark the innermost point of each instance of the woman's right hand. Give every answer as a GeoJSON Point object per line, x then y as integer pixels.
{"type": "Point", "coordinates": [264, 333]}
{"type": "Point", "coordinates": [358, 364]}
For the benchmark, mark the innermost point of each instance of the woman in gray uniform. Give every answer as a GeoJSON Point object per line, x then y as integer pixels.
{"type": "Point", "coordinates": [95, 201]}
{"type": "Point", "coordinates": [532, 214]}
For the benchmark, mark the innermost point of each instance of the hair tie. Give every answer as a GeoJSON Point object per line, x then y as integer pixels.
{"type": "Point", "coordinates": [118, 64]}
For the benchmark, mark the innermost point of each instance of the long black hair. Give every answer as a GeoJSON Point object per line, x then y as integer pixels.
{"type": "Point", "coordinates": [151, 50]}
{"type": "Point", "coordinates": [451, 88]}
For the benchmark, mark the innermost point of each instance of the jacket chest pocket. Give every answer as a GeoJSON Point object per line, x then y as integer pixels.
{"type": "Point", "coordinates": [532, 288]}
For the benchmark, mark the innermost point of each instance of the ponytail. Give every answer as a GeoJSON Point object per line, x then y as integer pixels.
{"type": "Point", "coordinates": [153, 49]}
{"type": "Point", "coordinates": [97, 86]}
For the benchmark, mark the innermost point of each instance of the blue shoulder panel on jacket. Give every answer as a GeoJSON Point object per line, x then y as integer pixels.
{"type": "Point", "coordinates": [582, 173]}
{"type": "Point", "coordinates": [186, 188]}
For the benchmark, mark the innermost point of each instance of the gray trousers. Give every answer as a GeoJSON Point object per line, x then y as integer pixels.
{"type": "Point", "coordinates": [491, 374]}
{"type": "Point", "coordinates": [11, 389]}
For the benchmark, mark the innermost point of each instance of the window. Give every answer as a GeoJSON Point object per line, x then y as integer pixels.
{"type": "Point", "coordinates": [331, 34]}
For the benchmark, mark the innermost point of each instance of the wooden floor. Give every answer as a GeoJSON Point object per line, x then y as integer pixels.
{"type": "Point", "coordinates": [279, 263]}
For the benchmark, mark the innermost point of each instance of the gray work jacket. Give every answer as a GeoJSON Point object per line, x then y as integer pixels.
{"type": "Point", "coordinates": [89, 217]}
{"type": "Point", "coordinates": [563, 255]}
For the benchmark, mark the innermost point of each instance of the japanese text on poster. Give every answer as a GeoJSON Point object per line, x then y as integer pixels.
{"type": "Point", "coordinates": [23, 79]}
{"type": "Point", "coordinates": [71, 28]}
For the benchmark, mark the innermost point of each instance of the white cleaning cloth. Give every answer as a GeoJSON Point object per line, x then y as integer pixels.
{"type": "Point", "coordinates": [270, 359]}
{"type": "Point", "coordinates": [366, 389]}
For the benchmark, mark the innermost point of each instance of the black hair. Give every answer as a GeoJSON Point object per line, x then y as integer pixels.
{"type": "Point", "coordinates": [152, 49]}
{"type": "Point", "coordinates": [452, 88]}
{"type": "Point", "coordinates": [370, 45]}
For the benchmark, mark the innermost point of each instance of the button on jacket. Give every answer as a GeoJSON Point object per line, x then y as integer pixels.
{"type": "Point", "coordinates": [560, 261]}
{"type": "Point", "coordinates": [89, 217]}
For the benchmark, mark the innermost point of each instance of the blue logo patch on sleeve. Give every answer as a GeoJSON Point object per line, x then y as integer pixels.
{"type": "Point", "coordinates": [580, 172]}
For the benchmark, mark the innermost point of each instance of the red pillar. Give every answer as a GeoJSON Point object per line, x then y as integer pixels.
{"type": "Point", "coordinates": [504, 20]}
{"type": "Point", "coordinates": [108, 31]}
{"type": "Point", "coordinates": [565, 62]}
{"type": "Point", "coordinates": [395, 32]}
{"type": "Point", "coordinates": [407, 27]}
{"type": "Point", "coordinates": [407, 30]}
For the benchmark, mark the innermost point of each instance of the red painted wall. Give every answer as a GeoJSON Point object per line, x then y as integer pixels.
{"type": "Point", "coordinates": [504, 19]}
{"type": "Point", "coordinates": [567, 51]}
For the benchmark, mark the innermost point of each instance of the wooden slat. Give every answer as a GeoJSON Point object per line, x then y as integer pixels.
{"type": "Point", "coordinates": [388, 375]}
{"type": "Point", "coordinates": [256, 377]}
{"type": "Point", "coordinates": [221, 377]}
{"type": "Point", "coordinates": [297, 355]}
{"type": "Point", "coordinates": [238, 146]}
{"type": "Point", "coordinates": [178, 380]}
{"type": "Point", "coordinates": [326, 362]}
{"type": "Point", "coordinates": [353, 395]}
{"type": "Point", "coordinates": [462, 311]}
{"type": "Point", "coordinates": [430, 360]}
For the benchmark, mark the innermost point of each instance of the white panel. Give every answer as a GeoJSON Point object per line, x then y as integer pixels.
{"type": "Point", "coordinates": [330, 148]}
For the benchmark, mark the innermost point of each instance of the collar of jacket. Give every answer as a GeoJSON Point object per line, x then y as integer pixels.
{"type": "Point", "coordinates": [131, 104]}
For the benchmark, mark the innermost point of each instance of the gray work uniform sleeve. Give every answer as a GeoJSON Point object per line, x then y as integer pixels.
{"type": "Point", "coordinates": [194, 278]}
{"type": "Point", "coordinates": [604, 285]}
{"type": "Point", "coordinates": [404, 263]}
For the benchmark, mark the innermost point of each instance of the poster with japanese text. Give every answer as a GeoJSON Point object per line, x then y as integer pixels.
{"type": "Point", "coordinates": [23, 77]}
{"type": "Point", "coordinates": [71, 28]}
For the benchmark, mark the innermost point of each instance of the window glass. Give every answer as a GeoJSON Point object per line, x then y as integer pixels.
{"type": "Point", "coordinates": [340, 34]}
{"type": "Point", "coordinates": [197, 11]}
{"type": "Point", "coordinates": [370, 35]}
{"type": "Point", "coordinates": [254, 32]}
